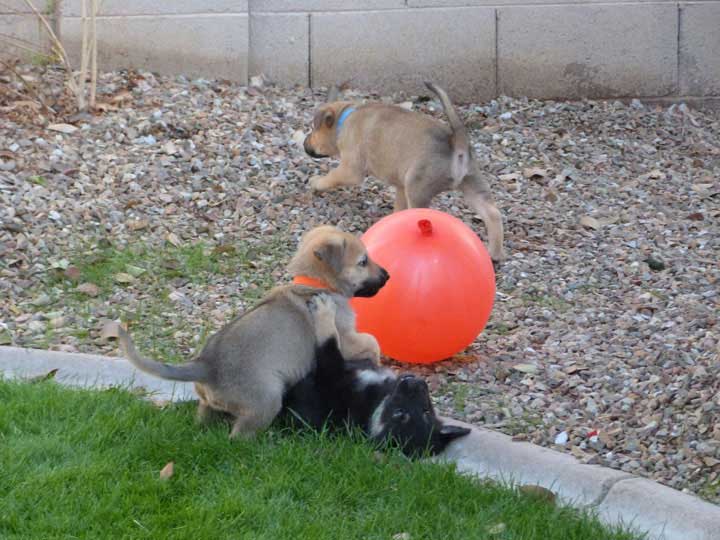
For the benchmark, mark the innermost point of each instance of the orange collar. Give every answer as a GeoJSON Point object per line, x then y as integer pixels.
{"type": "Point", "coordinates": [311, 282]}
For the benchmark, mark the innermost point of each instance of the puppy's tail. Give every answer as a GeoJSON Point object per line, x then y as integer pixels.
{"type": "Point", "coordinates": [460, 143]}
{"type": "Point", "coordinates": [191, 371]}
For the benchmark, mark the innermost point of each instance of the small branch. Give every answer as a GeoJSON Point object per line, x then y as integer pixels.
{"type": "Point", "coordinates": [93, 63]}
{"type": "Point", "coordinates": [20, 43]}
{"type": "Point", "coordinates": [53, 36]}
{"type": "Point", "coordinates": [84, 52]}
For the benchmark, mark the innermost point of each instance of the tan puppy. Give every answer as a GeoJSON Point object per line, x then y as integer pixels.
{"type": "Point", "coordinates": [246, 367]}
{"type": "Point", "coordinates": [416, 154]}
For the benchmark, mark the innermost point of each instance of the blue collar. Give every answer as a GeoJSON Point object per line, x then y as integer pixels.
{"type": "Point", "coordinates": [347, 112]}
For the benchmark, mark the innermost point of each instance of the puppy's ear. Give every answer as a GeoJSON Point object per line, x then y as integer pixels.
{"type": "Point", "coordinates": [321, 118]}
{"type": "Point", "coordinates": [446, 435]}
{"type": "Point", "coordinates": [331, 252]}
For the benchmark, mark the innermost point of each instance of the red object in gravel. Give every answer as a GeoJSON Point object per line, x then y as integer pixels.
{"type": "Point", "coordinates": [441, 288]}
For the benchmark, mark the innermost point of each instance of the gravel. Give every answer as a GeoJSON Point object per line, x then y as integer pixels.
{"type": "Point", "coordinates": [608, 302]}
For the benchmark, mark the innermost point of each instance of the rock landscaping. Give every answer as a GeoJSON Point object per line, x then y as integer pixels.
{"type": "Point", "coordinates": [177, 204]}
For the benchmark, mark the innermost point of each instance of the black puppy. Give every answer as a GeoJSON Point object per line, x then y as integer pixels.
{"type": "Point", "coordinates": [359, 392]}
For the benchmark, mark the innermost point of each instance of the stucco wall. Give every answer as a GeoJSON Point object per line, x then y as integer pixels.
{"type": "Point", "coordinates": [477, 48]}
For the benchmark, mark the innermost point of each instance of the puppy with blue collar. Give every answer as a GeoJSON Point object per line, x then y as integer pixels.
{"type": "Point", "coordinates": [419, 156]}
{"type": "Point", "coordinates": [359, 392]}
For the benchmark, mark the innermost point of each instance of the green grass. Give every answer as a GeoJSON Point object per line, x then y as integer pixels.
{"type": "Point", "coordinates": [151, 273]}
{"type": "Point", "coordinates": [38, 180]}
{"type": "Point", "coordinates": [499, 328]}
{"type": "Point", "coordinates": [710, 490]}
{"type": "Point", "coordinates": [554, 303]}
{"type": "Point", "coordinates": [460, 392]}
{"type": "Point", "coordinates": [82, 464]}
{"type": "Point", "coordinates": [104, 264]}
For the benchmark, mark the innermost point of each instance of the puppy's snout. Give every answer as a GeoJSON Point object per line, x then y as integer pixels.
{"type": "Point", "coordinates": [412, 384]}
{"type": "Point", "coordinates": [384, 275]}
{"type": "Point", "coordinates": [308, 148]}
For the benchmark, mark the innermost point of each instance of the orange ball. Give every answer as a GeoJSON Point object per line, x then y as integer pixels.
{"type": "Point", "coordinates": [441, 288]}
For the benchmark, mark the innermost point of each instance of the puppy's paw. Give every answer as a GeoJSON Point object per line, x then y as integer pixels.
{"type": "Point", "coordinates": [317, 183]}
{"type": "Point", "coordinates": [498, 255]}
{"type": "Point", "coordinates": [322, 306]}
{"type": "Point", "coordinates": [323, 309]}
{"type": "Point", "coordinates": [361, 346]}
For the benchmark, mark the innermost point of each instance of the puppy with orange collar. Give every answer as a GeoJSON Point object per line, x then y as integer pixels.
{"type": "Point", "coordinates": [419, 156]}
{"type": "Point", "coordinates": [246, 367]}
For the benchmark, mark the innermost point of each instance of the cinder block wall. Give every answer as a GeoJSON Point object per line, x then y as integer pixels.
{"type": "Point", "coordinates": [479, 49]}
{"type": "Point", "coordinates": [21, 33]}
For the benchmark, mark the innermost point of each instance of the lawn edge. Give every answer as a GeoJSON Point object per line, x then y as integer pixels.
{"type": "Point", "coordinates": [617, 498]}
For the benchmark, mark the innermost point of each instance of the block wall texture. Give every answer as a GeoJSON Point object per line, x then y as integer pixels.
{"type": "Point", "coordinates": [477, 49]}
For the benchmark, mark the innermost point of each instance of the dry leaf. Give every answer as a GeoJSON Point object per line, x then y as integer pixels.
{"type": "Point", "coordinates": [167, 471]}
{"type": "Point", "coordinates": [298, 137]}
{"type": "Point", "coordinates": [498, 528]}
{"type": "Point", "coordinates": [538, 492]}
{"type": "Point", "coordinates": [25, 103]}
{"type": "Point", "coordinates": [63, 128]}
{"type": "Point", "coordinates": [534, 172]}
{"type": "Point", "coordinates": [134, 271]}
{"type": "Point", "coordinates": [173, 239]}
{"type": "Point", "coordinates": [122, 97]}
{"type": "Point", "coordinates": [72, 272]}
{"type": "Point", "coordinates": [123, 277]}
{"type": "Point", "coordinates": [257, 81]}
{"type": "Point", "coordinates": [610, 220]}
{"type": "Point", "coordinates": [46, 377]}
{"type": "Point", "coordinates": [224, 248]}
{"type": "Point", "coordinates": [509, 177]}
{"type": "Point", "coordinates": [160, 403]}
{"type": "Point", "coordinates": [110, 330]}
{"type": "Point", "coordinates": [702, 187]}
{"type": "Point", "coordinates": [138, 224]}
{"type": "Point", "coordinates": [105, 107]}
{"type": "Point", "coordinates": [88, 288]}
{"type": "Point", "coordinates": [526, 368]}
{"type": "Point", "coordinates": [574, 368]}
{"type": "Point", "coordinates": [590, 223]}
{"type": "Point", "coordinates": [169, 148]}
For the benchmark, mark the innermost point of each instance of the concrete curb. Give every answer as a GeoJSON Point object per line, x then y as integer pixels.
{"type": "Point", "coordinates": [618, 498]}
{"type": "Point", "coordinates": [88, 370]}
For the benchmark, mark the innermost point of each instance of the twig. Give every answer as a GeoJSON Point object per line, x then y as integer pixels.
{"type": "Point", "coordinates": [93, 65]}
{"type": "Point", "coordinates": [88, 53]}
{"type": "Point", "coordinates": [83, 56]}
{"type": "Point", "coordinates": [20, 43]}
